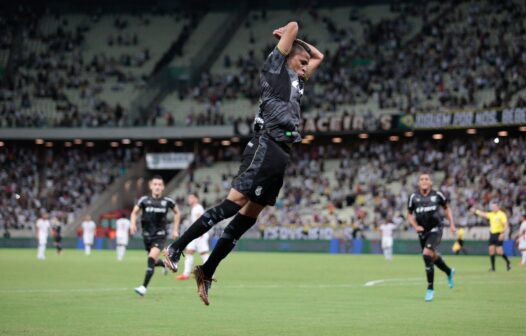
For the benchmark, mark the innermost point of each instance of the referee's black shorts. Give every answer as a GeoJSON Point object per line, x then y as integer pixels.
{"type": "Point", "coordinates": [262, 169]}
{"type": "Point", "coordinates": [431, 239]}
{"type": "Point", "coordinates": [494, 239]}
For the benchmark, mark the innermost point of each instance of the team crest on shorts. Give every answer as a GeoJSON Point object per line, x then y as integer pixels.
{"type": "Point", "coordinates": [258, 191]}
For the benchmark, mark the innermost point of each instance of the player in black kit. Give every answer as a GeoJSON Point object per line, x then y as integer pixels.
{"type": "Point", "coordinates": [426, 217]}
{"type": "Point", "coordinates": [265, 157]}
{"type": "Point", "coordinates": [154, 210]}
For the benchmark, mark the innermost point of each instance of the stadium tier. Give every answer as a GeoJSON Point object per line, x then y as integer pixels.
{"type": "Point", "coordinates": [94, 69]}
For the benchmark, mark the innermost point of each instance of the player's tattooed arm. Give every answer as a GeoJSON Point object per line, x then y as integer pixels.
{"type": "Point", "coordinates": [133, 219]}
{"type": "Point", "coordinates": [177, 222]}
{"type": "Point", "coordinates": [286, 36]}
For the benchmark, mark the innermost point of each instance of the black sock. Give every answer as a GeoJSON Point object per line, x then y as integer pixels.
{"type": "Point", "coordinates": [149, 271]}
{"type": "Point", "coordinates": [492, 258]}
{"type": "Point", "coordinates": [430, 271]}
{"type": "Point", "coordinates": [204, 223]}
{"type": "Point", "coordinates": [234, 230]}
{"type": "Point", "coordinates": [439, 262]}
{"type": "Point", "coordinates": [159, 263]}
{"type": "Point", "coordinates": [506, 258]}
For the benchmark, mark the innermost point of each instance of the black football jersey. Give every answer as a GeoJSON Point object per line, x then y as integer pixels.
{"type": "Point", "coordinates": [154, 214]}
{"type": "Point", "coordinates": [427, 209]}
{"type": "Point", "coordinates": [281, 90]}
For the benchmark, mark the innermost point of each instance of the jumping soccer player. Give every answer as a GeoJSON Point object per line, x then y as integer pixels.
{"type": "Point", "coordinates": [123, 229]}
{"type": "Point", "coordinates": [154, 210]}
{"type": "Point", "coordinates": [498, 224]}
{"type": "Point", "coordinates": [200, 244]}
{"type": "Point", "coordinates": [425, 217]}
{"type": "Point", "coordinates": [42, 227]}
{"type": "Point", "coordinates": [88, 234]}
{"type": "Point", "coordinates": [387, 229]}
{"type": "Point", "coordinates": [265, 157]}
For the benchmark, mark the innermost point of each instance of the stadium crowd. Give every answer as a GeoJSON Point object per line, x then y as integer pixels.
{"type": "Point", "coordinates": [474, 47]}
{"type": "Point", "coordinates": [354, 188]}
{"type": "Point", "coordinates": [59, 182]}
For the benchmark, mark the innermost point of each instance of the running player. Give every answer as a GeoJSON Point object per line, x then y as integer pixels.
{"type": "Point", "coordinates": [387, 229]}
{"type": "Point", "coordinates": [498, 225]}
{"type": "Point", "coordinates": [199, 244]}
{"type": "Point", "coordinates": [154, 223]}
{"type": "Point", "coordinates": [123, 229]}
{"type": "Point", "coordinates": [265, 157]}
{"type": "Point", "coordinates": [521, 240]}
{"type": "Point", "coordinates": [42, 227]}
{"type": "Point", "coordinates": [88, 234]}
{"type": "Point", "coordinates": [425, 217]}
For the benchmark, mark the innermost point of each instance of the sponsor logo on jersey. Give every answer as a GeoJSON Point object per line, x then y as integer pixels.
{"type": "Point", "coordinates": [426, 208]}
{"type": "Point", "coordinates": [154, 209]}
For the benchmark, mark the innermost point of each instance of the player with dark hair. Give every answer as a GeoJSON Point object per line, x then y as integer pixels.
{"type": "Point", "coordinates": [427, 220]}
{"type": "Point", "coordinates": [498, 225]}
{"type": "Point", "coordinates": [265, 157]}
{"type": "Point", "coordinates": [154, 210]}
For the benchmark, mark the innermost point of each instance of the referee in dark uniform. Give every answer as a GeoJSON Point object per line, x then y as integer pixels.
{"type": "Point", "coordinates": [265, 157]}
{"type": "Point", "coordinates": [424, 208]}
{"type": "Point", "coordinates": [154, 224]}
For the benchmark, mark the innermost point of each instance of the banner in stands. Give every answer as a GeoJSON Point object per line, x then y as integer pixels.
{"type": "Point", "coordinates": [333, 124]}
{"type": "Point", "coordinates": [169, 160]}
{"type": "Point", "coordinates": [488, 118]}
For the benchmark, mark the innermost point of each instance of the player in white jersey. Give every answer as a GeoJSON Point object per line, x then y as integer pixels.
{"type": "Point", "coordinates": [88, 233]}
{"type": "Point", "coordinates": [386, 230]}
{"type": "Point", "coordinates": [521, 240]}
{"type": "Point", "coordinates": [43, 224]}
{"type": "Point", "coordinates": [123, 229]}
{"type": "Point", "coordinates": [199, 244]}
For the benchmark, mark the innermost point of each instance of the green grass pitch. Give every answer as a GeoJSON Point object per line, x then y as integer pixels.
{"type": "Point", "coordinates": [258, 294]}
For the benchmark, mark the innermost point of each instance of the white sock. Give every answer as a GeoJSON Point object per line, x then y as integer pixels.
{"type": "Point", "coordinates": [188, 263]}
{"type": "Point", "coordinates": [87, 249]}
{"type": "Point", "coordinates": [120, 252]}
{"type": "Point", "coordinates": [524, 257]}
{"type": "Point", "coordinates": [41, 251]}
{"type": "Point", "coordinates": [204, 257]}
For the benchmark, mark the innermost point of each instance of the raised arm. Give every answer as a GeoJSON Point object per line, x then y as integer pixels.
{"type": "Point", "coordinates": [316, 57]}
{"type": "Point", "coordinates": [286, 36]}
{"type": "Point", "coordinates": [479, 213]}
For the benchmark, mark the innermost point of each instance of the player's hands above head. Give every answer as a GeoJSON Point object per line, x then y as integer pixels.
{"type": "Point", "coordinates": [278, 32]}
{"type": "Point", "coordinates": [419, 229]}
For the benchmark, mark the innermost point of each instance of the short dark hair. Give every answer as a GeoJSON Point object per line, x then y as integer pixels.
{"type": "Point", "coordinates": [156, 177]}
{"type": "Point", "coordinates": [299, 46]}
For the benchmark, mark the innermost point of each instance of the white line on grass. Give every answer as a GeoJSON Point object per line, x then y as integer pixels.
{"type": "Point", "coordinates": [381, 282]}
